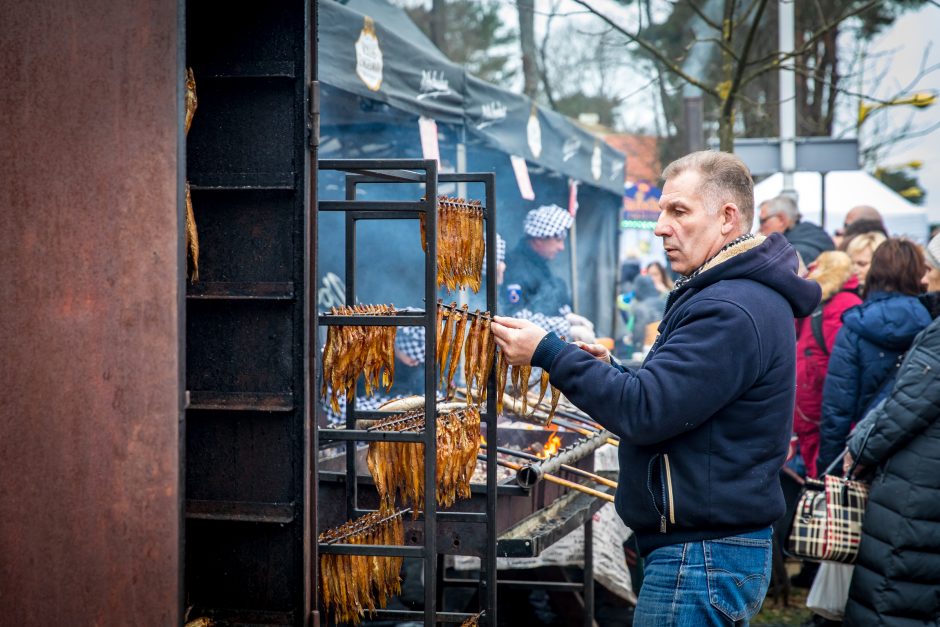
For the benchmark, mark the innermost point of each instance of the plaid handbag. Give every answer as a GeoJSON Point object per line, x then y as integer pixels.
{"type": "Point", "coordinates": [827, 524]}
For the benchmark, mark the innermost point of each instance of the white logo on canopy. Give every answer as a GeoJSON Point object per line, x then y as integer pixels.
{"type": "Point", "coordinates": [534, 133]}
{"type": "Point", "coordinates": [433, 84]}
{"type": "Point", "coordinates": [596, 162]}
{"type": "Point", "coordinates": [492, 113]}
{"type": "Point", "coordinates": [369, 56]}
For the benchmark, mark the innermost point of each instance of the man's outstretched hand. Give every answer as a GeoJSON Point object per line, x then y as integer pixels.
{"type": "Point", "coordinates": [517, 338]}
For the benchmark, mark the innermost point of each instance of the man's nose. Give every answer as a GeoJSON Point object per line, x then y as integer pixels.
{"type": "Point", "coordinates": [661, 229]}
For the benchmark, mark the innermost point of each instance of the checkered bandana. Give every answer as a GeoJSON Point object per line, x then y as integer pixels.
{"type": "Point", "coordinates": [547, 221]}
{"type": "Point", "coordinates": [410, 341]}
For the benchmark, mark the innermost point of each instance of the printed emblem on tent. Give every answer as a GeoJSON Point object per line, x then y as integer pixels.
{"type": "Point", "coordinates": [369, 56]}
{"type": "Point", "coordinates": [534, 133]}
{"type": "Point", "coordinates": [514, 293]}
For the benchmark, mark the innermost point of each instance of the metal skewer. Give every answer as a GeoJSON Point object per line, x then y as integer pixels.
{"type": "Point", "coordinates": [558, 480]}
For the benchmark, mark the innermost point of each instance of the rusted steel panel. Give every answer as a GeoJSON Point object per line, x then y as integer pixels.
{"type": "Point", "coordinates": [90, 327]}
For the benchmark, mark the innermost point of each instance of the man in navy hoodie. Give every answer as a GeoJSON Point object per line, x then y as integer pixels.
{"type": "Point", "coordinates": [705, 421]}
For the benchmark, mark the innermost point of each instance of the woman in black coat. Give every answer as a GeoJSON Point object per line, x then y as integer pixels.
{"type": "Point", "coordinates": [897, 573]}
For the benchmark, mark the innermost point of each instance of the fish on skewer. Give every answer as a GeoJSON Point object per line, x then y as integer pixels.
{"type": "Point", "coordinates": [487, 350]}
{"type": "Point", "coordinates": [524, 372]}
{"type": "Point", "coordinates": [502, 366]}
{"type": "Point", "coordinates": [446, 340]}
{"type": "Point", "coordinates": [458, 343]}
{"type": "Point", "coordinates": [471, 354]}
{"type": "Point", "coordinates": [543, 385]}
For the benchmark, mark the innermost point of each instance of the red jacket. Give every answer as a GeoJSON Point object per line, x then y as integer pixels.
{"type": "Point", "coordinates": [812, 362]}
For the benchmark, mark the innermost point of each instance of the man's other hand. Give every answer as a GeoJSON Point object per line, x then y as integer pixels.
{"type": "Point", "coordinates": [517, 338]}
{"type": "Point", "coordinates": [597, 350]}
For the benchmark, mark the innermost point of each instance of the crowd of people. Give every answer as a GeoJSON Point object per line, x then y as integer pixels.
{"type": "Point", "coordinates": [705, 416]}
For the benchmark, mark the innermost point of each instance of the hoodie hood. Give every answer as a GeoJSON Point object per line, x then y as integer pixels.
{"type": "Point", "coordinates": [888, 319]}
{"type": "Point", "coordinates": [769, 260]}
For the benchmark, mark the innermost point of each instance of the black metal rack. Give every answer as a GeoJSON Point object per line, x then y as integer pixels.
{"type": "Point", "coordinates": [361, 172]}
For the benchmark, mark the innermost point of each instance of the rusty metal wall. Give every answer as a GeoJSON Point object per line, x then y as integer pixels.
{"type": "Point", "coordinates": [90, 322]}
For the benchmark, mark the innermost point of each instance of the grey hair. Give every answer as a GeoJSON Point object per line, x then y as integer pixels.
{"type": "Point", "coordinates": [725, 178]}
{"type": "Point", "coordinates": [784, 205]}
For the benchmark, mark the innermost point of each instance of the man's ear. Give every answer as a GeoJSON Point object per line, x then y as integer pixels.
{"type": "Point", "coordinates": [730, 217]}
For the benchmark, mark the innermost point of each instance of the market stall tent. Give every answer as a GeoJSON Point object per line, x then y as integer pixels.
{"type": "Point", "coordinates": [380, 75]}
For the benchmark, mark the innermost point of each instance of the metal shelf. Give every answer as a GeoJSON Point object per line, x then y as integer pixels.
{"type": "Point", "coordinates": [361, 172]}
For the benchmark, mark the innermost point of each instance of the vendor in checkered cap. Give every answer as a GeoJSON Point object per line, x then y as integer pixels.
{"type": "Point", "coordinates": [531, 290]}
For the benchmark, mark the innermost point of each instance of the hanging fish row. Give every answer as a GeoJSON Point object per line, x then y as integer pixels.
{"type": "Point", "coordinates": [520, 388]}
{"type": "Point", "coordinates": [350, 585]}
{"type": "Point", "coordinates": [353, 349]}
{"type": "Point", "coordinates": [476, 341]}
{"type": "Point", "coordinates": [460, 246]}
{"type": "Point", "coordinates": [398, 467]}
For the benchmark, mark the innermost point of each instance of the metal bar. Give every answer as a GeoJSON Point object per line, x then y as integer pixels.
{"type": "Point", "coordinates": [311, 562]}
{"type": "Point", "coordinates": [386, 214]}
{"type": "Point", "coordinates": [353, 165]}
{"type": "Point", "coordinates": [351, 485]}
{"type": "Point", "coordinates": [567, 468]}
{"type": "Point", "coordinates": [383, 550]}
{"type": "Point", "coordinates": [357, 435]}
{"type": "Point", "coordinates": [407, 320]}
{"type": "Point", "coordinates": [430, 398]}
{"type": "Point", "coordinates": [560, 481]}
{"type": "Point", "coordinates": [366, 175]}
{"type": "Point", "coordinates": [490, 581]}
{"type": "Point", "coordinates": [441, 617]}
{"type": "Point", "coordinates": [240, 401]}
{"type": "Point", "coordinates": [241, 511]}
{"type": "Point", "coordinates": [558, 586]}
{"type": "Point", "coordinates": [589, 572]}
{"type": "Point", "coordinates": [530, 474]}
{"type": "Point", "coordinates": [378, 207]}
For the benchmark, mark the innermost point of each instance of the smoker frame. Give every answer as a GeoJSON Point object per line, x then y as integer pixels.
{"type": "Point", "coordinates": [385, 171]}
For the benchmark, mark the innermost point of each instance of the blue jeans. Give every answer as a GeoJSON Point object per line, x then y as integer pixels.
{"type": "Point", "coordinates": [715, 582]}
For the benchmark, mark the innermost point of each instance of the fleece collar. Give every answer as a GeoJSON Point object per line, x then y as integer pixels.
{"type": "Point", "coordinates": [739, 245]}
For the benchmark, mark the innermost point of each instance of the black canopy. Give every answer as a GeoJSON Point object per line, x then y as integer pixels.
{"type": "Point", "coordinates": [373, 49]}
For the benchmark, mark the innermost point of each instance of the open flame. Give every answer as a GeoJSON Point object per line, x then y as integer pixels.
{"type": "Point", "coordinates": [551, 447]}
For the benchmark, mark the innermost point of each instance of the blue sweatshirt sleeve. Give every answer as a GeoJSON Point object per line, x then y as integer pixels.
{"type": "Point", "coordinates": [711, 357]}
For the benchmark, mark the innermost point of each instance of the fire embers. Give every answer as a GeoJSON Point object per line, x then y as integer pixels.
{"type": "Point", "coordinates": [520, 388]}
{"type": "Point", "coordinates": [398, 467]}
{"type": "Point", "coordinates": [351, 350]}
{"type": "Point", "coordinates": [460, 330]}
{"type": "Point", "coordinates": [352, 584]}
{"type": "Point", "coordinates": [459, 243]}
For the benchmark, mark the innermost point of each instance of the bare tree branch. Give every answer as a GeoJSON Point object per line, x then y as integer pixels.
{"type": "Point", "coordinates": [775, 60]}
{"type": "Point", "coordinates": [654, 51]}
{"type": "Point", "coordinates": [702, 16]}
{"type": "Point", "coordinates": [748, 42]}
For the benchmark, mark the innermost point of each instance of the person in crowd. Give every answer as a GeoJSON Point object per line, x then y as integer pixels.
{"type": "Point", "coordinates": [898, 564]}
{"type": "Point", "coordinates": [816, 336]}
{"type": "Point", "coordinates": [531, 290]}
{"type": "Point", "coordinates": [638, 308]}
{"type": "Point", "coordinates": [859, 219]}
{"type": "Point", "coordinates": [931, 280]}
{"type": "Point", "coordinates": [661, 279]}
{"type": "Point", "coordinates": [781, 215]}
{"type": "Point", "coordinates": [860, 249]}
{"type": "Point", "coordinates": [873, 335]}
{"type": "Point", "coordinates": [705, 421]}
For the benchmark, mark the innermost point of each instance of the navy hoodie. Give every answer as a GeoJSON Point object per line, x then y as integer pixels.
{"type": "Point", "coordinates": [705, 422]}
